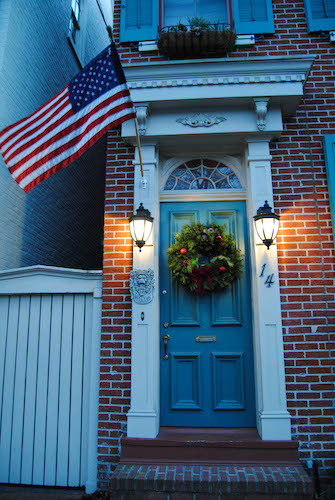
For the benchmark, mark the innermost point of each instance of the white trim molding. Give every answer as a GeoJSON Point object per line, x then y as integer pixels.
{"type": "Point", "coordinates": [48, 279]}
{"type": "Point", "coordinates": [273, 419]}
{"type": "Point", "coordinates": [143, 416]}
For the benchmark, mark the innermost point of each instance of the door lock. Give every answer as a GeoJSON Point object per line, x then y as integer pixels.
{"type": "Point", "coordinates": [166, 339]}
{"type": "Point", "coordinates": [166, 325]}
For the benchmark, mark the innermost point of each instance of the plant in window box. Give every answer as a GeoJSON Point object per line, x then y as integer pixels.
{"type": "Point", "coordinates": [198, 39]}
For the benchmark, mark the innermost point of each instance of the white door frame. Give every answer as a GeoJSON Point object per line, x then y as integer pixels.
{"type": "Point", "coordinates": [273, 419]}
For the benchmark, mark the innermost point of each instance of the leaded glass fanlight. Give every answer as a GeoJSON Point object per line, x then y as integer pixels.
{"type": "Point", "coordinates": [202, 174]}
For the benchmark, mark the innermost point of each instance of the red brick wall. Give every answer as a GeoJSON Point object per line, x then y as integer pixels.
{"type": "Point", "coordinates": [305, 245]}
{"type": "Point", "coordinates": [114, 399]}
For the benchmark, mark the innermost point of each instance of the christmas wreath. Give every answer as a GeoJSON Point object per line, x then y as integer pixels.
{"type": "Point", "coordinates": [204, 258]}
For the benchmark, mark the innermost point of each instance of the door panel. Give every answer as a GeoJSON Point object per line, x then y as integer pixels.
{"type": "Point", "coordinates": [184, 310]}
{"type": "Point", "coordinates": [208, 378]}
{"type": "Point", "coordinates": [185, 381]}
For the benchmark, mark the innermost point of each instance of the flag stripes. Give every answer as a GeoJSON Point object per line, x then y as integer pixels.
{"type": "Point", "coordinates": [55, 135]}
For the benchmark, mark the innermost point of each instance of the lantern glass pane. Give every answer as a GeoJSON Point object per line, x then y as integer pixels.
{"type": "Point", "coordinates": [259, 228]}
{"type": "Point", "coordinates": [268, 227]}
{"type": "Point", "coordinates": [139, 225]}
{"type": "Point", "coordinates": [147, 230]}
{"type": "Point", "coordinates": [276, 228]}
{"type": "Point", "coordinates": [132, 230]}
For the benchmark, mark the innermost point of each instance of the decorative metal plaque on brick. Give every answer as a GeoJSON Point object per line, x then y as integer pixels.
{"type": "Point", "coordinates": [142, 285]}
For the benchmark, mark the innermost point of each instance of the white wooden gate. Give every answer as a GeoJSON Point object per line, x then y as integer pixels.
{"type": "Point", "coordinates": [49, 356]}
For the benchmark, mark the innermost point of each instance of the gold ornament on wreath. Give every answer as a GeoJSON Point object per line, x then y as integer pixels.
{"type": "Point", "coordinates": [204, 259]}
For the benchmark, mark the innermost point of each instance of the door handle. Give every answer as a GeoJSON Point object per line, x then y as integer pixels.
{"type": "Point", "coordinates": [166, 339]}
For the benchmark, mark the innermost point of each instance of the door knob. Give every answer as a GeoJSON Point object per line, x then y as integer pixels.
{"type": "Point", "coordinates": [166, 339]}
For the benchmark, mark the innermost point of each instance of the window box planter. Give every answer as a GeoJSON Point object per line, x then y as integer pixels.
{"type": "Point", "coordinates": [187, 44]}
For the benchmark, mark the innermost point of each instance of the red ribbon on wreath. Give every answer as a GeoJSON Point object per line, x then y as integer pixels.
{"type": "Point", "coordinates": [199, 275]}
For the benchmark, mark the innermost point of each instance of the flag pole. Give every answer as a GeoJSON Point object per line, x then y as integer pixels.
{"type": "Point", "coordinates": [110, 34]}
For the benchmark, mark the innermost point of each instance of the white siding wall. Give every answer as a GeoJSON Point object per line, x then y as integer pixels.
{"type": "Point", "coordinates": [59, 222]}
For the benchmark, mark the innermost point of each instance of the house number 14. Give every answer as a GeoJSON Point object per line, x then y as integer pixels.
{"type": "Point", "coordinates": [269, 280]}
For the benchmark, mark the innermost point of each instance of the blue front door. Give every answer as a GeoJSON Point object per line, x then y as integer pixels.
{"type": "Point", "coordinates": [208, 378]}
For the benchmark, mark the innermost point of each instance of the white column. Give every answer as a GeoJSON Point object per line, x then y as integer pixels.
{"type": "Point", "coordinates": [143, 416]}
{"type": "Point", "coordinates": [273, 419]}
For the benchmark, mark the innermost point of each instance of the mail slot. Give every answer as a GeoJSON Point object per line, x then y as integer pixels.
{"type": "Point", "coordinates": [204, 338]}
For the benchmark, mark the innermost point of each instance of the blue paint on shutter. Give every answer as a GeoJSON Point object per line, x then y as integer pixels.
{"type": "Point", "coordinates": [329, 149]}
{"type": "Point", "coordinates": [253, 16]}
{"type": "Point", "coordinates": [320, 14]}
{"type": "Point", "coordinates": [139, 20]}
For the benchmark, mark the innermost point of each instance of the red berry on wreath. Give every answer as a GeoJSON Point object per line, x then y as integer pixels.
{"type": "Point", "coordinates": [222, 268]}
{"type": "Point", "coordinates": [219, 237]}
{"type": "Point", "coordinates": [183, 251]}
{"type": "Point", "coordinates": [222, 244]}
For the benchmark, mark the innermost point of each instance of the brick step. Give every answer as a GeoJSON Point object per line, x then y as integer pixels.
{"type": "Point", "coordinates": [182, 482]}
{"type": "Point", "coordinates": [208, 447]}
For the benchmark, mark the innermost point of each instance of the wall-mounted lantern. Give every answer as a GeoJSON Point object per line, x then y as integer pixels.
{"type": "Point", "coordinates": [141, 226]}
{"type": "Point", "coordinates": [267, 224]}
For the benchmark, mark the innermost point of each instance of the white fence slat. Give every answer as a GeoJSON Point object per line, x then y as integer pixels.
{"type": "Point", "coordinates": [4, 307]}
{"type": "Point", "coordinates": [19, 390]}
{"type": "Point", "coordinates": [7, 400]}
{"type": "Point", "coordinates": [64, 392]}
{"type": "Point", "coordinates": [42, 391]}
{"type": "Point", "coordinates": [30, 396]}
{"type": "Point", "coordinates": [53, 392]}
{"type": "Point", "coordinates": [86, 386]}
{"type": "Point", "coordinates": [76, 390]}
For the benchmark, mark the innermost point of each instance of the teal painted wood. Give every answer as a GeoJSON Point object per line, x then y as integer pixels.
{"type": "Point", "coordinates": [329, 147]}
{"type": "Point", "coordinates": [320, 15]}
{"type": "Point", "coordinates": [206, 384]}
{"type": "Point", "coordinates": [253, 16]}
{"type": "Point", "coordinates": [139, 20]}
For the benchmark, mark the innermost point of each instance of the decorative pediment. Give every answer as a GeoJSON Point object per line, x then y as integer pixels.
{"type": "Point", "coordinates": [200, 120]}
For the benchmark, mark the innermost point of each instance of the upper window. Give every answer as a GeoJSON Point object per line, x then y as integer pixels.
{"type": "Point", "coordinates": [180, 11]}
{"type": "Point", "coordinates": [202, 174]}
{"type": "Point", "coordinates": [74, 21]}
{"type": "Point", "coordinates": [141, 19]}
{"type": "Point", "coordinates": [320, 14]}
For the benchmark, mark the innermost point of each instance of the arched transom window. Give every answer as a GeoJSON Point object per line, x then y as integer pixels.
{"type": "Point", "coordinates": [202, 174]}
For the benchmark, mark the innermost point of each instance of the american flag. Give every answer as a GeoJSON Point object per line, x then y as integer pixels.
{"type": "Point", "coordinates": [96, 100]}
